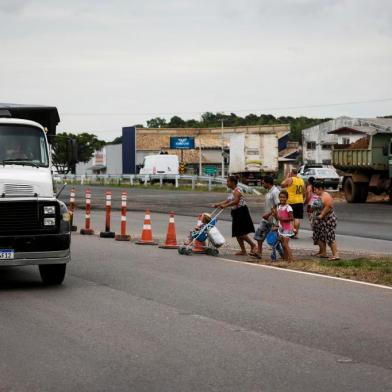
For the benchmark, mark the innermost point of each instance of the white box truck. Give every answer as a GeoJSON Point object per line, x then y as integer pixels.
{"type": "Point", "coordinates": [34, 224]}
{"type": "Point", "coordinates": [252, 155]}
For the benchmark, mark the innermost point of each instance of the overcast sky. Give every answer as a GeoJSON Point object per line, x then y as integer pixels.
{"type": "Point", "coordinates": [133, 60]}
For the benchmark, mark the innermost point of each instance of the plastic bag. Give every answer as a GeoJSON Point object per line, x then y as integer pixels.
{"type": "Point", "coordinates": [216, 238]}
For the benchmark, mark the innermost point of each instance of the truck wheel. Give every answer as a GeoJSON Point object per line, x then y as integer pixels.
{"type": "Point", "coordinates": [352, 190]}
{"type": "Point", "coordinates": [52, 274]}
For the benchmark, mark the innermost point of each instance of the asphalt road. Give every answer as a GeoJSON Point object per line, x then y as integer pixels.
{"type": "Point", "coordinates": [134, 318]}
{"type": "Point", "coordinates": [349, 245]}
{"type": "Point", "coordinates": [369, 220]}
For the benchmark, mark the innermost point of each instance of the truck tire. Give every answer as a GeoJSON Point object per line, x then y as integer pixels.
{"type": "Point", "coordinates": [352, 190]}
{"type": "Point", "coordinates": [52, 274]}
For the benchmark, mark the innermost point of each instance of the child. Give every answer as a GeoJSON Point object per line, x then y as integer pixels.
{"type": "Point", "coordinates": [195, 233]}
{"type": "Point", "coordinates": [273, 237]}
{"type": "Point", "coordinates": [284, 214]}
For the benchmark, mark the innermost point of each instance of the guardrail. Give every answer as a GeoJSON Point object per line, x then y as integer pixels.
{"type": "Point", "coordinates": [132, 179]}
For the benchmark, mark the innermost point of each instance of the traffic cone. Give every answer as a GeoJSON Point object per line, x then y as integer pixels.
{"type": "Point", "coordinates": [171, 240]}
{"type": "Point", "coordinates": [146, 238]}
{"type": "Point", "coordinates": [107, 233]}
{"type": "Point", "coordinates": [123, 236]}
{"type": "Point", "coordinates": [72, 209]}
{"type": "Point", "coordinates": [199, 247]}
{"type": "Point", "coordinates": [87, 230]}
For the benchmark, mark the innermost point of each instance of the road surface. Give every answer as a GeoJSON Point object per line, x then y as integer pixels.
{"type": "Point", "coordinates": [135, 318]}
{"type": "Point", "coordinates": [369, 220]}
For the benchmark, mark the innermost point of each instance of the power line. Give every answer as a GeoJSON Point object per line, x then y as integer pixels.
{"type": "Point", "coordinates": [86, 114]}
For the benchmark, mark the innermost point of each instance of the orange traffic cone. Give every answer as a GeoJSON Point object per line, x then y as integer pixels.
{"type": "Point", "coordinates": [146, 238]}
{"type": "Point", "coordinates": [123, 236]}
{"type": "Point", "coordinates": [171, 240]}
{"type": "Point", "coordinates": [198, 247]}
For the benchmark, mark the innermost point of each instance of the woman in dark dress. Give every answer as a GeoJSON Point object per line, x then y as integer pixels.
{"type": "Point", "coordinates": [242, 222]}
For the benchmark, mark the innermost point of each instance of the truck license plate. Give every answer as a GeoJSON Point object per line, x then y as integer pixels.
{"type": "Point", "coordinates": [7, 254]}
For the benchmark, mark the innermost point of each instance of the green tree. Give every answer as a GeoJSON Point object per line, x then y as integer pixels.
{"type": "Point", "coordinates": [157, 122]}
{"type": "Point", "coordinates": [86, 143]}
{"type": "Point", "coordinates": [176, 122]}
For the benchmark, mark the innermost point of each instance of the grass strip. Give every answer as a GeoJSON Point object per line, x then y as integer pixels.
{"type": "Point", "coordinates": [377, 271]}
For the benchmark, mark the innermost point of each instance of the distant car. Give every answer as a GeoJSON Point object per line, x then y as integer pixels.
{"type": "Point", "coordinates": [328, 175]}
{"type": "Point", "coordinates": [306, 167]}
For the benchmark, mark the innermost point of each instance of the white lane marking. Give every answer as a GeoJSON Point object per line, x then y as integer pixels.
{"type": "Point", "coordinates": [380, 286]}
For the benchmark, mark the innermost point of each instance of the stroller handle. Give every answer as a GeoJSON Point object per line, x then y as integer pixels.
{"type": "Point", "coordinates": [220, 210]}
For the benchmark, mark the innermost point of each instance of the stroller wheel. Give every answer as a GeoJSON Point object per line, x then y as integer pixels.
{"type": "Point", "coordinates": [188, 252]}
{"type": "Point", "coordinates": [214, 252]}
{"type": "Point", "coordinates": [181, 250]}
{"type": "Point", "coordinates": [208, 251]}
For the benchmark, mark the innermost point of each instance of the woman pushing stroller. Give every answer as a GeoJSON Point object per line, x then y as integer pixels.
{"type": "Point", "coordinates": [242, 223]}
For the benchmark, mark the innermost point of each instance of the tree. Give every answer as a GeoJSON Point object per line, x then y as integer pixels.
{"type": "Point", "coordinates": [86, 143]}
{"type": "Point", "coordinates": [213, 120]}
{"type": "Point", "coordinates": [176, 122]}
{"type": "Point", "coordinates": [156, 122]}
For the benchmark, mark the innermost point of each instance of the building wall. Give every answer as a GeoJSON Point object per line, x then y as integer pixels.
{"type": "Point", "coordinates": [319, 137]}
{"type": "Point", "coordinates": [114, 159]}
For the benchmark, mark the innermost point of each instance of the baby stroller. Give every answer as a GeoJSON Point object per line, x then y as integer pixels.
{"type": "Point", "coordinates": [208, 232]}
{"type": "Point", "coordinates": [274, 242]}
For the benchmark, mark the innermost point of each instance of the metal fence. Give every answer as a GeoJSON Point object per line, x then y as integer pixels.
{"type": "Point", "coordinates": [193, 182]}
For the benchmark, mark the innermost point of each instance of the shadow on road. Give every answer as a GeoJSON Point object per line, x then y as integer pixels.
{"type": "Point", "coordinates": [22, 278]}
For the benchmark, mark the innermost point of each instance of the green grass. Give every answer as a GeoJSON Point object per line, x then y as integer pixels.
{"type": "Point", "coordinates": [363, 269]}
{"type": "Point", "coordinates": [364, 264]}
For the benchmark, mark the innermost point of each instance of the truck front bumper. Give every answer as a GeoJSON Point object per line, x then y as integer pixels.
{"type": "Point", "coordinates": [38, 258]}
{"type": "Point", "coordinates": [38, 249]}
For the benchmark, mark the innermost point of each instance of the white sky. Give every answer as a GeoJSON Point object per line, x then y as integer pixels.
{"type": "Point", "coordinates": [139, 59]}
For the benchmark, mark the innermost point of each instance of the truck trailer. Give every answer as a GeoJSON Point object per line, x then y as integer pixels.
{"type": "Point", "coordinates": [252, 155]}
{"type": "Point", "coordinates": [366, 165]}
{"type": "Point", "coordinates": [34, 224]}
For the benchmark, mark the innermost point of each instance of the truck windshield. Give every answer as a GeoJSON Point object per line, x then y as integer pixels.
{"type": "Point", "coordinates": [24, 145]}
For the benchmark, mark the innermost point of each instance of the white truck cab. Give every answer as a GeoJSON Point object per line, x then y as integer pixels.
{"type": "Point", "coordinates": [34, 224]}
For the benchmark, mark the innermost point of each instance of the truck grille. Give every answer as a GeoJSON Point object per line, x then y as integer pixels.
{"type": "Point", "coordinates": [17, 190]}
{"type": "Point", "coordinates": [25, 217]}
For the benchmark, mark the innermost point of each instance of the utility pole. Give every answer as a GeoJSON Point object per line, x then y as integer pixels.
{"type": "Point", "coordinates": [200, 159]}
{"type": "Point", "coordinates": [223, 150]}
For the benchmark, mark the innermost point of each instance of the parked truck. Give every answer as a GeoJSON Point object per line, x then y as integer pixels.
{"type": "Point", "coordinates": [34, 224]}
{"type": "Point", "coordinates": [252, 155]}
{"type": "Point", "coordinates": [366, 166]}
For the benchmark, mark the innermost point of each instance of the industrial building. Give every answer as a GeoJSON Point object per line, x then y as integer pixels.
{"type": "Point", "coordinates": [318, 141]}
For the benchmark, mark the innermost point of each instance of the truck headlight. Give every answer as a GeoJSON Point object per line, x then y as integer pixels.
{"type": "Point", "coordinates": [49, 221]}
{"type": "Point", "coordinates": [66, 217]}
{"type": "Point", "coordinates": [49, 210]}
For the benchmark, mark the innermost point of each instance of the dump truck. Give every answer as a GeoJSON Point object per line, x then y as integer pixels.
{"type": "Point", "coordinates": [366, 166]}
{"type": "Point", "coordinates": [34, 224]}
{"type": "Point", "coordinates": [252, 155]}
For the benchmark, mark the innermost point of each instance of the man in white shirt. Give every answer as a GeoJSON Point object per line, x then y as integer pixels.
{"type": "Point", "coordinates": [271, 201]}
